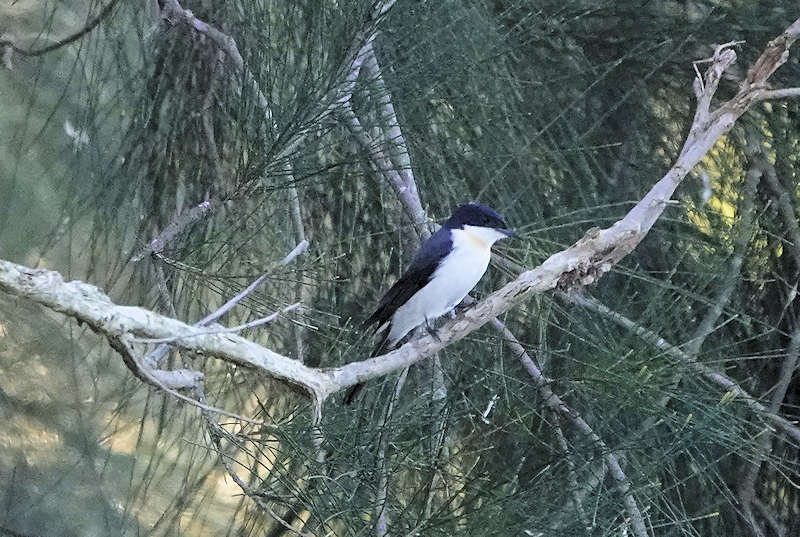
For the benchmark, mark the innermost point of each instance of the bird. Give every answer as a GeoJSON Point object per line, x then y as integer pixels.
{"type": "Point", "coordinates": [445, 269]}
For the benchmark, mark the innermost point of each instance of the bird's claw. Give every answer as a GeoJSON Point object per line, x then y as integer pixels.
{"type": "Point", "coordinates": [432, 331]}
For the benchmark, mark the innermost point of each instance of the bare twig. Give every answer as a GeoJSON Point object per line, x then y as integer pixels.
{"type": "Point", "coordinates": [224, 330]}
{"type": "Point", "coordinates": [155, 356]}
{"type": "Point", "coordinates": [301, 247]}
{"type": "Point", "coordinates": [381, 512]}
{"type": "Point", "coordinates": [91, 25]}
{"type": "Point", "coordinates": [557, 405]}
{"type": "Point", "coordinates": [176, 227]}
{"type": "Point", "coordinates": [581, 264]}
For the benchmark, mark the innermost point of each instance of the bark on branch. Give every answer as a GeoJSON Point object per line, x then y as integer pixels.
{"type": "Point", "coordinates": [581, 264]}
{"type": "Point", "coordinates": [174, 12]}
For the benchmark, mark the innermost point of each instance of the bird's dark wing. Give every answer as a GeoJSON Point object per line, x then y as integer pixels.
{"type": "Point", "coordinates": [415, 278]}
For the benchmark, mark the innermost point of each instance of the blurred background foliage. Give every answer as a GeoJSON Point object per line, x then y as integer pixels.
{"type": "Point", "coordinates": [559, 114]}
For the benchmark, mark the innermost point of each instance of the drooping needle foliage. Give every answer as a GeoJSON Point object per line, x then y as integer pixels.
{"type": "Point", "coordinates": [560, 115]}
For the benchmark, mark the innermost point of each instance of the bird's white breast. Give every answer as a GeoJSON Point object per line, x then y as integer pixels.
{"type": "Point", "coordinates": [455, 277]}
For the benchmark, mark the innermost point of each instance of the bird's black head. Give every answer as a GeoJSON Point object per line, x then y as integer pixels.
{"type": "Point", "coordinates": [477, 215]}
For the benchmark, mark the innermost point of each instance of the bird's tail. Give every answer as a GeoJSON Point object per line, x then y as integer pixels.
{"type": "Point", "coordinates": [352, 392]}
{"type": "Point", "coordinates": [380, 347]}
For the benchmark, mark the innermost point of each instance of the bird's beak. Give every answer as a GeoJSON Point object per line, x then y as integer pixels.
{"type": "Point", "coordinates": [508, 232]}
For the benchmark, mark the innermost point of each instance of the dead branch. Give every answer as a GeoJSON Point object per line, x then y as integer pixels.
{"type": "Point", "coordinates": [176, 227]}
{"type": "Point", "coordinates": [155, 357]}
{"type": "Point", "coordinates": [581, 264]}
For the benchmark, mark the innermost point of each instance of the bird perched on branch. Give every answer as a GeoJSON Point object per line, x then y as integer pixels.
{"type": "Point", "coordinates": [446, 268]}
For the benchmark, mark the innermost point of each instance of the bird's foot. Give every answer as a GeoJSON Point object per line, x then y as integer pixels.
{"type": "Point", "coordinates": [432, 331]}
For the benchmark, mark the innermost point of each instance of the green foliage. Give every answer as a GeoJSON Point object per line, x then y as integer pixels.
{"type": "Point", "coordinates": [558, 114]}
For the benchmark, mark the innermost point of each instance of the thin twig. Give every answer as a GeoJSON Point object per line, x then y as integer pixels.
{"type": "Point", "coordinates": [91, 25]}
{"type": "Point", "coordinates": [223, 330]}
{"type": "Point", "coordinates": [301, 247]}
{"type": "Point", "coordinates": [556, 404]}
{"type": "Point", "coordinates": [155, 356]}
{"type": "Point", "coordinates": [382, 462]}
{"type": "Point", "coordinates": [581, 264]}
{"type": "Point", "coordinates": [300, 235]}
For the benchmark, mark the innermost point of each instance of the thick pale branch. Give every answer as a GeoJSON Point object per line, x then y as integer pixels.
{"type": "Point", "coordinates": [90, 305]}
{"type": "Point", "coordinates": [581, 264]}
{"type": "Point", "coordinates": [771, 95]}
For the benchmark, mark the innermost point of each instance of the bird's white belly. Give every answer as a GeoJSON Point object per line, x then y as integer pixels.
{"type": "Point", "coordinates": [451, 282]}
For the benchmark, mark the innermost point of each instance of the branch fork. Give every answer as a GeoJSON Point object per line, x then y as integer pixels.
{"type": "Point", "coordinates": [583, 263]}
